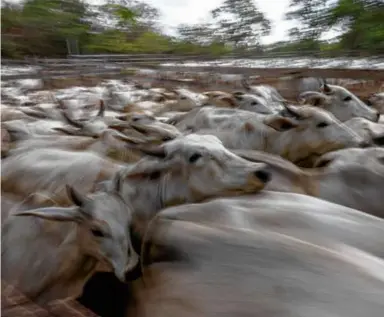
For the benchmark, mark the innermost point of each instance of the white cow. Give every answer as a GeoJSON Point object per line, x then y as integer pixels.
{"type": "Point", "coordinates": [342, 103]}
{"type": "Point", "coordinates": [300, 135]}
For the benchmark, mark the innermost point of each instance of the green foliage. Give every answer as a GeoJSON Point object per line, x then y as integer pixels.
{"type": "Point", "coordinates": [45, 27]}
{"type": "Point", "coordinates": [41, 26]}
{"type": "Point", "coordinates": [124, 14]}
{"type": "Point", "coordinates": [360, 22]}
{"type": "Point", "coordinates": [240, 23]}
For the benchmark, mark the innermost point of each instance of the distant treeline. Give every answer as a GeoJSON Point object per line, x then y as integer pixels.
{"type": "Point", "coordinates": [46, 28]}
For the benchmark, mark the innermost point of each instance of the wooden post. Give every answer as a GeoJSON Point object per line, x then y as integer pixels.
{"type": "Point", "coordinates": [68, 47]}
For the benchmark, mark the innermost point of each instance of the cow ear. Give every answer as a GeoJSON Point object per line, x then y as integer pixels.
{"type": "Point", "coordinates": [325, 160]}
{"type": "Point", "coordinates": [54, 213]}
{"type": "Point", "coordinates": [281, 123]}
{"type": "Point", "coordinates": [313, 98]}
{"type": "Point", "coordinates": [152, 170]}
{"type": "Point", "coordinates": [229, 101]}
{"type": "Point", "coordinates": [77, 198]}
{"type": "Point", "coordinates": [158, 151]}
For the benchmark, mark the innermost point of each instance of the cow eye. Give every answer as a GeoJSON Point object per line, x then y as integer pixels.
{"type": "Point", "coordinates": [194, 157]}
{"type": "Point", "coordinates": [254, 103]}
{"type": "Point", "coordinates": [347, 98]}
{"type": "Point", "coordinates": [97, 233]}
{"type": "Point", "coordinates": [183, 98]}
{"type": "Point", "coordinates": [322, 125]}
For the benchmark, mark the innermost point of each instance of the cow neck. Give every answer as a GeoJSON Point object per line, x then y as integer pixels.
{"type": "Point", "coordinates": [270, 140]}
{"type": "Point", "coordinates": [319, 182]}
{"type": "Point", "coordinates": [71, 274]}
{"type": "Point", "coordinates": [148, 197]}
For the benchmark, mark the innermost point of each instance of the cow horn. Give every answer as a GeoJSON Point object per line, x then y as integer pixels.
{"type": "Point", "coordinates": [60, 104]}
{"type": "Point", "coordinates": [175, 92]}
{"type": "Point", "coordinates": [325, 86]}
{"type": "Point", "coordinates": [102, 109]}
{"type": "Point", "coordinates": [55, 100]}
{"type": "Point", "coordinates": [245, 84]}
{"type": "Point", "coordinates": [291, 112]}
{"type": "Point", "coordinates": [284, 102]}
{"type": "Point", "coordinates": [72, 122]}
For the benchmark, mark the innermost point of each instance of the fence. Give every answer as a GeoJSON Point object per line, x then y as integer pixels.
{"type": "Point", "coordinates": [76, 65]}
{"type": "Point", "coordinates": [172, 68]}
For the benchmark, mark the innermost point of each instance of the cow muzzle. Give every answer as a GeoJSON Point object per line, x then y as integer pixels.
{"type": "Point", "coordinates": [364, 144]}
{"type": "Point", "coordinates": [263, 175]}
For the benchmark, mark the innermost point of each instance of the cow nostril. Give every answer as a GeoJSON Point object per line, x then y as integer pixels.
{"type": "Point", "coordinates": [364, 144]}
{"type": "Point", "coordinates": [378, 117]}
{"type": "Point", "coordinates": [263, 175]}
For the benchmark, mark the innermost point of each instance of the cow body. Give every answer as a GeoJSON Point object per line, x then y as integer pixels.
{"type": "Point", "coordinates": [299, 256]}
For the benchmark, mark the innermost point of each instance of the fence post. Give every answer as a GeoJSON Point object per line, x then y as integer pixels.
{"type": "Point", "coordinates": [69, 51]}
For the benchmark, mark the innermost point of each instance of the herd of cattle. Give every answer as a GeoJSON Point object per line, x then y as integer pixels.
{"type": "Point", "coordinates": [200, 204]}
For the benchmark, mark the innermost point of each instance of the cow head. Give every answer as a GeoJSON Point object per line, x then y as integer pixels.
{"type": "Point", "coordinates": [360, 157]}
{"type": "Point", "coordinates": [252, 103]}
{"type": "Point", "coordinates": [191, 168]}
{"type": "Point", "coordinates": [340, 102]}
{"type": "Point", "coordinates": [149, 125]}
{"type": "Point", "coordinates": [305, 132]}
{"type": "Point", "coordinates": [184, 101]}
{"type": "Point", "coordinates": [92, 127]}
{"type": "Point", "coordinates": [377, 101]}
{"type": "Point", "coordinates": [219, 99]}
{"type": "Point", "coordinates": [103, 219]}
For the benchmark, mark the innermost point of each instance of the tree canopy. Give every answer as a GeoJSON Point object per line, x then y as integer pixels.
{"type": "Point", "coordinates": [47, 27]}
{"type": "Point", "coordinates": [360, 23]}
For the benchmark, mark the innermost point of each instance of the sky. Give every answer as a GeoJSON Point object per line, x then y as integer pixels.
{"type": "Point", "coordinates": [175, 12]}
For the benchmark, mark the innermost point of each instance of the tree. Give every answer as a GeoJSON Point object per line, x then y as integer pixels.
{"type": "Point", "coordinates": [359, 22]}
{"type": "Point", "coordinates": [311, 14]}
{"type": "Point", "coordinates": [200, 34]}
{"type": "Point", "coordinates": [240, 23]}
{"type": "Point", "coordinates": [44, 25]}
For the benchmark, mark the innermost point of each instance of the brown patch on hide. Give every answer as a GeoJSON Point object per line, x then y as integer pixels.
{"type": "Point", "coordinates": [229, 101]}
{"type": "Point", "coordinates": [280, 123]}
{"type": "Point", "coordinates": [248, 127]}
